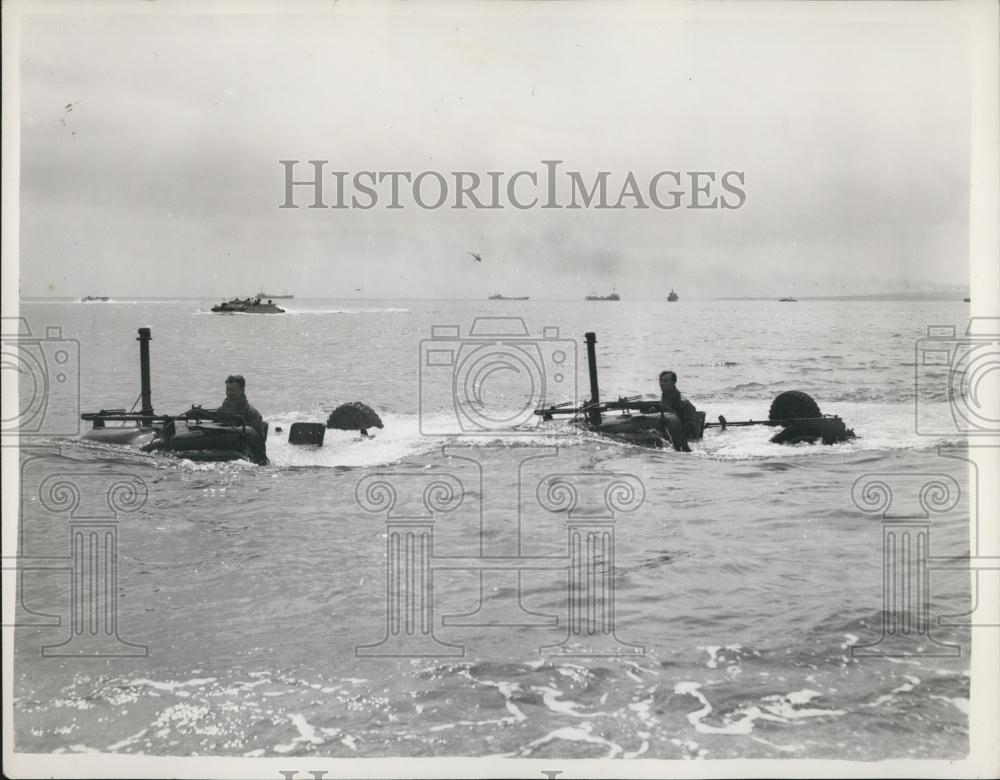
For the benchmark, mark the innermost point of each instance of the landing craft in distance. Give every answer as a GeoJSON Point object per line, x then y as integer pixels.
{"type": "Point", "coordinates": [476, 257]}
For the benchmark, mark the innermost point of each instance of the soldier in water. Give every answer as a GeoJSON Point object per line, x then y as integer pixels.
{"type": "Point", "coordinates": [236, 403]}
{"type": "Point", "coordinates": [672, 401]}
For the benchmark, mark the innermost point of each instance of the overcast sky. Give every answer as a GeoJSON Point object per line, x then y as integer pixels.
{"type": "Point", "coordinates": [150, 143]}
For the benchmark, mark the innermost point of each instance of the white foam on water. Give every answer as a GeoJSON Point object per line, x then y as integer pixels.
{"type": "Point", "coordinates": [403, 437]}
{"type": "Point", "coordinates": [789, 706]}
{"type": "Point", "coordinates": [551, 699]}
{"type": "Point", "coordinates": [574, 672]}
{"type": "Point", "coordinates": [572, 734]}
{"type": "Point", "coordinates": [171, 686]}
{"type": "Point", "coordinates": [76, 704]}
{"type": "Point", "coordinates": [877, 427]}
{"type": "Point", "coordinates": [782, 748]}
{"type": "Point", "coordinates": [712, 650]}
{"type": "Point", "coordinates": [633, 672]}
{"type": "Point", "coordinates": [307, 735]}
{"type": "Point", "coordinates": [241, 686]}
{"type": "Point", "coordinates": [400, 439]}
{"type": "Point", "coordinates": [643, 709]}
{"type": "Point", "coordinates": [127, 741]}
{"type": "Point", "coordinates": [714, 657]}
{"type": "Point", "coordinates": [951, 673]}
{"type": "Point", "coordinates": [636, 753]}
{"type": "Point", "coordinates": [904, 688]}
{"type": "Point", "coordinates": [742, 726]}
{"type": "Point", "coordinates": [960, 703]}
{"type": "Point", "coordinates": [780, 708]}
{"type": "Point", "coordinates": [306, 731]}
{"type": "Point", "coordinates": [692, 747]}
{"type": "Point", "coordinates": [508, 689]}
{"type": "Point", "coordinates": [182, 717]}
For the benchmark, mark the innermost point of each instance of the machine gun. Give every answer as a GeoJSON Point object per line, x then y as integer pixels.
{"type": "Point", "coordinates": [194, 414]}
{"type": "Point", "coordinates": [623, 404]}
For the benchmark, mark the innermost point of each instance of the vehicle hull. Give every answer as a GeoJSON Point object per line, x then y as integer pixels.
{"type": "Point", "coordinates": [195, 440]}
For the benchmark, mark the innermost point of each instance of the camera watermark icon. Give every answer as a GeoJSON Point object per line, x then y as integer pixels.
{"type": "Point", "coordinates": [88, 505]}
{"type": "Point", "coordinates": [47, 372]}
{"type": "Point", "coordinates": [494, 378]}
{"type": "Point", "coordinates": [905, 501]}
{"type": "Point", "coordinates": [983, 561]}
{"type": "Point", "coordinates": [413, 503]}
{"type": "Point", "coordinates": [963, 370]}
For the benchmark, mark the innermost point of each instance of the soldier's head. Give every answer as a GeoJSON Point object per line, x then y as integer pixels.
{"type": "Point", "coordinates": [235, 387]}
{"type": "Point", "coordinates": [668, 380]}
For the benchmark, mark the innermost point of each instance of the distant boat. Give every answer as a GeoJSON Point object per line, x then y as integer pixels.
{"type": "Point", "coordinates": [595, 297]}
{"type": "Point", "coordinates": [499, 297]}
{"type": "Point", "coordinates": [275, 296]}
{"type": "Point", "coordinates": [105, 299]}
{"type": "Point", "coordinates": [673, 296]}
{"type": "Point", "coordinates": [788, 300]}
{"type": "Point", "coordinates": [967, 300]}
{"type": "Point", "coordinates": [247, 306]}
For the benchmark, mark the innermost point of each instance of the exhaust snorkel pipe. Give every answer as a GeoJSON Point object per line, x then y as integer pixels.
{"type": "Point", "coordinates": [147, 394]}
{"type": "Point", "coordinates": [595, 411]}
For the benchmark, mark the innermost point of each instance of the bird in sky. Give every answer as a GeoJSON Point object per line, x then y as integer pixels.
{"type": "Point", "coordinates": [476, 257]}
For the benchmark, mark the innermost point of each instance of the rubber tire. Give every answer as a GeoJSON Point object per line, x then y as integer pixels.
{"type": "Point", "coordinates": [830, 430]}
{"type": "Point", "coordinates": [793, 404]}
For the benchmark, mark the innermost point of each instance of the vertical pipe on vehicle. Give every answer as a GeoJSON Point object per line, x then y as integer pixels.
{"type": "Point", "coordinates": [595, 412]}
{"type": "Point", "coordinates": [147, 394]}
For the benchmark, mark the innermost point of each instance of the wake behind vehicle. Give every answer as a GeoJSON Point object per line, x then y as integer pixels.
{"type": "Point", "coordinates": [643, 422]}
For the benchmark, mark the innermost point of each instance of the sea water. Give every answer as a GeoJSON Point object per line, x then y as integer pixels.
{"type": "Point", "coordinates": [255, 611]}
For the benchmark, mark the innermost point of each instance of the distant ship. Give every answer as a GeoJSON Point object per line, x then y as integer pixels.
{"type": "Point", "coordinates": [967, 300]}
{"type": "Point", "coordinates": [595, 297]}
{"type": "Point", "coordinates": [275, 296]}
{"type": "Point", "coordinates": [247, 306]}
{"type": "Point", "coordinates": [105, 298]}
{"type": "Point", "coordinates": [788, 300]}
{"type": "Point", "coordinates": [673, 296]}
{"type": "Point", "coordinates": [499, 297]}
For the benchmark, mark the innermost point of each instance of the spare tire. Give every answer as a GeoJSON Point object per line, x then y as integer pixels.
{"type": "Point", "coordinates": [830, 430]}
{"type": "Point", "coordinates": [793, 404]}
